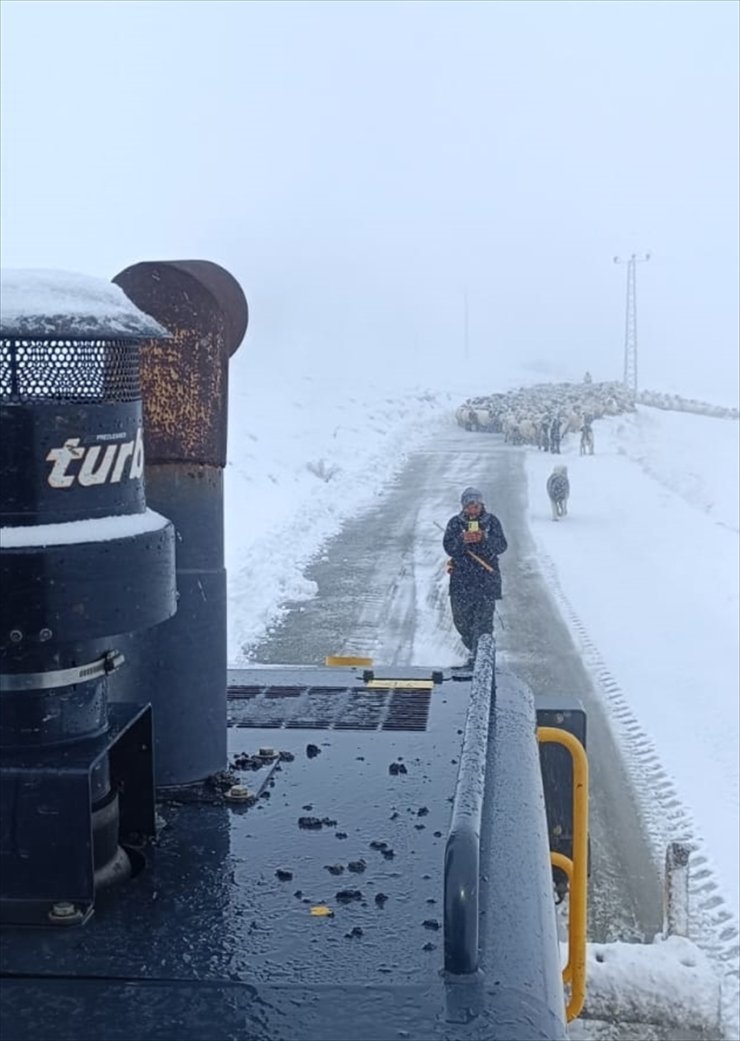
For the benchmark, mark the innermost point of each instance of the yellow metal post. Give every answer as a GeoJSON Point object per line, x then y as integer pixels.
{"type": "Point", "coordinates": [565, 864]}
{"type": "Point", "coordinates": [576, 869]}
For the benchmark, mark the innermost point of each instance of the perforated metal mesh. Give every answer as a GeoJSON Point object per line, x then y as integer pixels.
{"type": "Point", "coordinates": [69, 370]}
{"type": "Point", "coordinates": [327, 708]}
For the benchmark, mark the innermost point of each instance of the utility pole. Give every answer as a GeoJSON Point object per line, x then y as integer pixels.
{"type": "Point", "coordinates": [630, 324]}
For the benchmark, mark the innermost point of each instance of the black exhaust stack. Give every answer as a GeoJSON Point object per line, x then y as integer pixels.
{"type": "Point", "coordinates": [181, 666]}
{"type": "Point", "coordinates": [82, 561]}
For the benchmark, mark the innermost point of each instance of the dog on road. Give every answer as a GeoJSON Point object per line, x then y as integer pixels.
{"type": "Point", "coordinates": [558, 490]}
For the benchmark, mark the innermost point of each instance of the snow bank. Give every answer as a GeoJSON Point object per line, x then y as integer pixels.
{"type": "Point", "coordinates": [670, 982]}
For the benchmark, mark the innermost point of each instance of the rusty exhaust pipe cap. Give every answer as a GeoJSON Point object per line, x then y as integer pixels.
{"type": "Point", "coordinates": [227, 294]}
{"type": "Point", "coordinates": [185, 379]}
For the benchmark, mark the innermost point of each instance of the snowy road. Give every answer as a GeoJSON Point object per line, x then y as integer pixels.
{"type": "Point", "coordinates": [382, 593]}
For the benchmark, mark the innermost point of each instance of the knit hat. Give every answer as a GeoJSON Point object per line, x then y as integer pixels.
{"type": "Point", "coordinates": [471, 495]}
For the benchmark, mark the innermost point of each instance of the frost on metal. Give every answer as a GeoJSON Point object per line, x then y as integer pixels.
{"type": "Point", "coordinates": [41, 304]}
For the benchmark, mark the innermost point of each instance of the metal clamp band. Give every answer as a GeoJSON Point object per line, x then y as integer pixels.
{"type": "Point", "coordinates": [110, 661]}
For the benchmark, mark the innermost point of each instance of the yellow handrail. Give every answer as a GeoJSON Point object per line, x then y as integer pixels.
{"type": "Point", "coordinates": [576, 869]}
{"type": "Point", "coordinates": [566, 864]}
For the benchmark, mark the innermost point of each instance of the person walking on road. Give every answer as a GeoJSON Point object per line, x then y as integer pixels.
{"type": "Point", "coordinates": [473, 540]}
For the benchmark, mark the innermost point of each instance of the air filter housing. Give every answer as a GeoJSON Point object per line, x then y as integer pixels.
{"type": "Point", "coordinates": [82, 561]}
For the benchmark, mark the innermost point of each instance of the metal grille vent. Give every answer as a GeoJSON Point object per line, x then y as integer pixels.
{"type": "Point", "coordinates": [328, 708]}
{"type": "Point", "coordinates": [69, 370]}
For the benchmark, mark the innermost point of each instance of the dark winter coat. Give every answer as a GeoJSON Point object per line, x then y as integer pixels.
{"type": "Point", "coordinates": [467, 575]}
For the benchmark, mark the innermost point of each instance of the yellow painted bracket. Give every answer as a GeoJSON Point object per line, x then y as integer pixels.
{"type": "Point", "coordinates": [373, 684]}
{"type": "Point", "coordinates": [339, 660]}
{"type": "Point", "coordinates": [574, 973]}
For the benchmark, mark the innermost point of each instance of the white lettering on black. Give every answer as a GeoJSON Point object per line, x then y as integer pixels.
{"type": "Point", "coordinates": [95, 470]}
{"type": "Point", "coordinates": [124, 451]}
{"type": "Point", "coordinates": [119, 436]}
{"type": "Point", "coordinates": [88, 474]}
{"type": "Point", "coordinates": [61, 458]}
{"type": "Point", "coordinates": [137, 463]}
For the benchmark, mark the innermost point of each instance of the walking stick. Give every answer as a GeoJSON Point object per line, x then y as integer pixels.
{"type": "Point", "coordinates": [479, 560]}
{"type": "Point", "coordinates": [470, 553]}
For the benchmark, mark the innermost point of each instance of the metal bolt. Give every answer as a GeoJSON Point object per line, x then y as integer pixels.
{"type": "Point", "coordinates": [45, 634]}
{"type": "Point", "coordinates": [16, 635]}
{"type": "Point", "coordinates": [238, 793]}
{"type": "Point", "coordinates": [63, 909]}
{"type": "Point", "coordinates": [65, 913]}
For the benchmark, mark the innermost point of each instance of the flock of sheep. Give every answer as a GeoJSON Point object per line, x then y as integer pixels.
{"type": "Point", "coordinates": [679, 404]}
{"type": "Point", "coordinates": [543, 414]}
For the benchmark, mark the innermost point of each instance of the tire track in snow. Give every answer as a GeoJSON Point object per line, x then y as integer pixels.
{"type": "Point", "coordinates": [664, 817]}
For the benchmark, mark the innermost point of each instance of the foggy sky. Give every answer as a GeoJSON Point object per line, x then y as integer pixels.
{"type": "Point", "coordinates": [361, 168]}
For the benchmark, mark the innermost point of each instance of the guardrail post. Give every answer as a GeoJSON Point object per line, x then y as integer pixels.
{"type": "Point", "coordinates": [676, 890]}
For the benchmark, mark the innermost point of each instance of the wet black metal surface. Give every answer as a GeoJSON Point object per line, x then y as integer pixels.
{"type": "Point", "coordinates": [103, 1010]}
{"type": "Point", "coordinates": [48, 835]}
{"type": "Point", "coordinates": [215, 939]}
{"type": "Point", "coordinates": [84, 591]}
{"type": "Point", "coordinates": [180, 667]}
